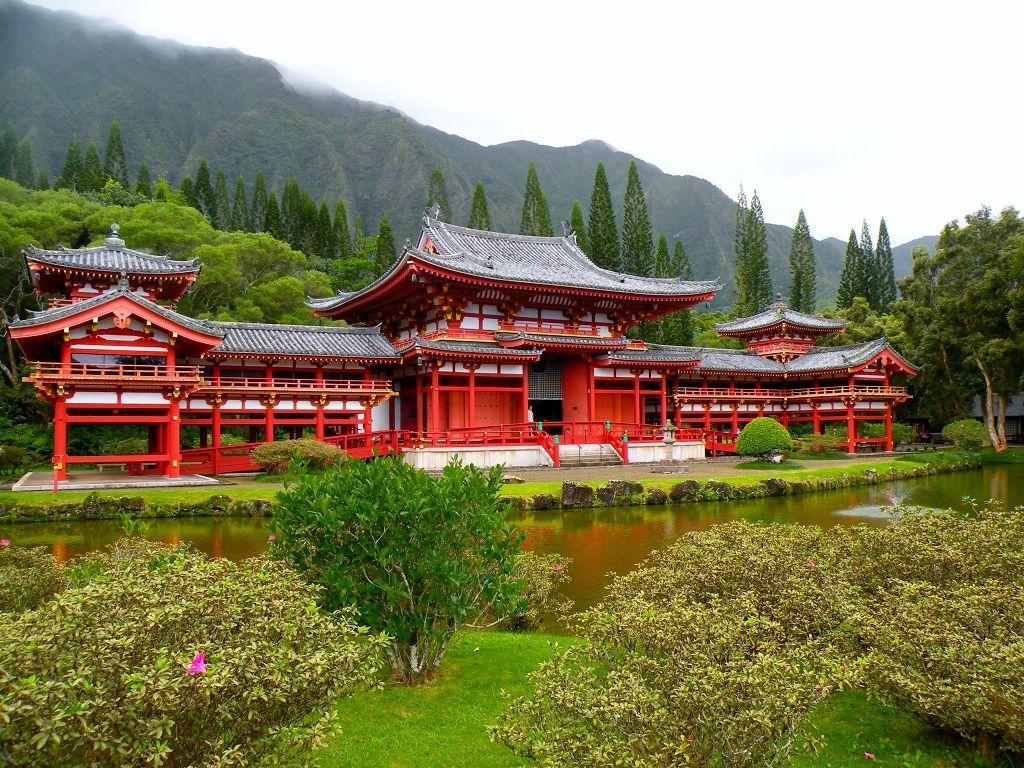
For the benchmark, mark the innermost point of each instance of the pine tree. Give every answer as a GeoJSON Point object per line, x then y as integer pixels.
{"type": "Point", "coordinates": [70, 174]}
{"type": "Point", "coordinates": [758, 279]}
{"type": "Point", "coordinates": [850, 276]}
{"type": "Point", "coordinates": [662, 260]}
{"type": "Point", "coordinates": [221, 204]}
{"type": "Point", "coordinates": [479, 215]}
{"type": "Point", "coordinates": [9, 152]}
{"type": "Point", "coordinates": [92, 172]}
{"type": "Point", "coordinates": [205, 197]}
{"type": "Point", "coordinates": [602, 233]}
{"type": "Point", "coordinates": [680, 263]}
{"type": "Point", "coordinates": [579, 226]}
{"type": "Point", "coordinates": [308, 218]}
{"type": "Point", "coordinates": [258, 209]}
{"type": "Point", "coordinates": [637, 239]}
{"type": "Point", "coordinates": [114, 164]}
{"type": "Point", "coordinates": [867, 279]}
{"type": "Point", "coordinates": [801, 267]}
{"type": "Point", "coordinates": [43, 180]}
{"type": "Point", "coordinates": [536, 218]}
{"type": "Point", "coordinates": [26, 172]}
{"type": "Point", "coordinates": [887, 272]}
{"type": "Point", "coordinates": [143, 184]}
{"type": "Point", "coordinates": [188, 191]}
{"type": "Point", "coordinates": [291, 213]}
{"type": "Point", "coordinates": [273, 224]}
{"type": "Point", "coordinates": [385, 247]}
{"type": "Point", "coordinates": [741, 269]}
{"type": "Point", "coordinates": [324, 232]}
{"type": "Point", "coordinates": [342, 238]}
{"type": "Point", "coordinates": [438, 194]}
{"type": "Point", "coordinates": [239, 219]}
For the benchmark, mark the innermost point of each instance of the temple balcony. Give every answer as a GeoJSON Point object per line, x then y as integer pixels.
{"type": "Point", "coordinates": [552, 328]}
{"type": "Point", "coordinates": [859, 391]}
{"type": "Point", "coordinates": [304, 387]}
{"type": "Point", "coordinates": [50, 375]}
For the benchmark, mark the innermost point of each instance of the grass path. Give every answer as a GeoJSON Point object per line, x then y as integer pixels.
{"type": "Point", "coordinates": [444, 725]}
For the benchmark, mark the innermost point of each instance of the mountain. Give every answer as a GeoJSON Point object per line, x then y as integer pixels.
{"type": "Point", "coordinates": [62, 73]}
{"type": "Point", "coordinates": [901, 254]}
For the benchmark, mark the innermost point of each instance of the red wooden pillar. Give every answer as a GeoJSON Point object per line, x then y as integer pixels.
{"type": "Point", "coordinates": [735, 419]}
{"type": "Point", "coordinates": [60, 439]}
{"type": "Point", "coordinates": [525, 416]}
{"type": "Point", "coordinates": [434, 414]}
{"type": "Point", "coordinates": [174, 439]}
{"type": "Point", "coordinates": [851, 429]}
{"type": "Point", "coordinates": [707, 416]}
{"type": "Point", "coordinates": [636, 397]}
{"type": "Point", "coordinates": [815, 419]}
{"type": "Point", "coordinates": [271, 401]}
{"type": "Point", "coordinates": [591, 390]}
{"type": "Point", "coordinates": [215, 437]}
{"type": "Point", "coordinates": [419, 403]}
{"type": "Point", "coordinates": [664, 398]}
{"type": "Point", "coordinates": [319, 402]}
{"type": "Point", "coordinates": [471, 398]}
{"type": "Point", "coordinates": [368, 413]}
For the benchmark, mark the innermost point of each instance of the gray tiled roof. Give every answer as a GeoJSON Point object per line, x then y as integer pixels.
{"type": "Point", "coordinates": [824, 358]}
{"type": "Point", "coordinates": [471, 347]}
{"type": "Point", "coordinates": [120, 291]}
{"type": "Point", "coordinates": [304, 341]}
{"type": "Point", "coordinates": [779, 313]}
{"type": "Point", "coordinates": [604, 342]}
{"type": "Point", "coordinates": [112, 258]}
{"type": "Point", "coordinates": [555, 261]}
{"type": "Point", "coordinates": [655, 353]}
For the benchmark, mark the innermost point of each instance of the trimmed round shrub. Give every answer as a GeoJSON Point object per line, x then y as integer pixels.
{"type": "Point", "coordinates": [275, 457]}
{"type": "Point", "coordinates": [764, 437]}
{"type": "Point", "coordinates": [28, 577]}
{"type": "Point", "coordinates": [967, 434]}
{"type": "Point", "coordinates": [161, 656]}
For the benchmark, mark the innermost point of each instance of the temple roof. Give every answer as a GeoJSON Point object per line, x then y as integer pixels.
{"type": "Point", "coordinates": [469, 347]}
{"type": "Point", "coordinates": [776, 314]}
{"type": "Point", "coordinates": [302, 341]}
{"type": "Point", "coordinates": [816, 359]}
{"type": "Point", "coordinates": [528, 260]}
{"type": "Point", "coordinates": [559, 340]}
{"type": "Point", "coordinates": [112, 256]}
{"type": "Point", "coordinates": [655, 353]}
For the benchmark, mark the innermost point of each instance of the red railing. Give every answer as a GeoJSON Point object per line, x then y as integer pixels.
{"type": "Point", "coordinates": [556, 329]}
{"type": "Point", "coordinates": [723, 393]}
{"type": "Point", "coordinates": [114, 374]}
{"type": "Point", "coordinates": [300, 386]}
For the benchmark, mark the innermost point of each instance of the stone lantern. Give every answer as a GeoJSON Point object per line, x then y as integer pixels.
{"type": "Point", "coordinates": [669, 433]}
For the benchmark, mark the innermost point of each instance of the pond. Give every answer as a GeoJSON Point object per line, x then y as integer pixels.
{"type": "Point", "coordinates": [599, 541]}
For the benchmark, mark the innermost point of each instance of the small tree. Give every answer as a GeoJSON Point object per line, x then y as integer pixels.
{"type": "Point", "coordinates": [966, 434]}
{"type": "Point", "coordinates": [417, 556]}
{"type": "Point", "coordinates": [766, 438]}
{"type": "Point", "coordinates": [275, 457]}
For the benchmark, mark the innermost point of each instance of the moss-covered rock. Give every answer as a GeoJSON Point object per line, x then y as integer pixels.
{"type": "Point", "coordinates": [688, 490]}
{"type": "Point", "coordinates": [619, 493]}
{"type": "Point", "coordinates": [575, 495]}
{"type": "Point", "coordinates": [656, 496]}
{"type": "Point", "coordinates": [543, 501]}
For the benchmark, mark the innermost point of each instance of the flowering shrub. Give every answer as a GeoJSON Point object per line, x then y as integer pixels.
{"type": "Point", "coordinates": [161, 656]}
{"type": "Point", "coordinates": [275, 457]}
{"type": "Point", "coordinates": [763, 437]}
{"type": "Point", "coordinates": [541, 576]}
{"type": "Point", "coordinates": [417, 556]}
{"type": "Point", "coordinates": [710, 654]}
{"type": "Point", "coordinates": [968, 434]}
{"type": "Point", "coordinates": [28, 576]}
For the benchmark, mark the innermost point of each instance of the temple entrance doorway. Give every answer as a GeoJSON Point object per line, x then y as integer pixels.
{"type": "Point", "coordinates": [545, 381]}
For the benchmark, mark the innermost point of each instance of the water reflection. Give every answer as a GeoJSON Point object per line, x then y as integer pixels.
{"type": "Point", "coordinates": [601, 542]}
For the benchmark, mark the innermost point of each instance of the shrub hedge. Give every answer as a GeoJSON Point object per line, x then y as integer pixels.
{"type": "Point", "coordinates": [966, 434]}
{"type": "Point", "coordinates": [275, 457]}
{"type": "Point", "coordinates": [763, 437]}
{"type": "Point", "coordinates": [28, 577]}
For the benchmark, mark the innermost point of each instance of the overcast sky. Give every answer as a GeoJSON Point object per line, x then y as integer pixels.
{"type": "Point", "coordinates": [911, 110]}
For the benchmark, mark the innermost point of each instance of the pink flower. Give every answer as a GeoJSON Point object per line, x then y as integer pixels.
{"type": "Point", "coordinates": [5, 542]}
{"type": "Point", "coordinates": [785, 665]}
{"type": "Point", "coordinates": [198, 666]}
{"type": "Point", "coordinates": [869, 755]}
{"type": "Point", "coordinates": [559, 566]}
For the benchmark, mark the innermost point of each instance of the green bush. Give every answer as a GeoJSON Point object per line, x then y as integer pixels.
{"type": "Point", "coordinates": [718, 646]}
{"type": "Point", "coordinates": [819, 444]}
{"type": "Point", "coordinates": [967, 434]}
{"type": "Point", "coordinates": [417, 556]}
{"type": "Point", "coordinates": [28, 577]}
{"type": "Point", "coordinates": [541, 576]}
{"type": "Point", "coordinates": [124, 446]}
{"type": "Point", "coordinates": [111, 671]}
{"type": "Point", "coordinates": [275, 457]}
{"type": "Point", "coordinates": [763, 437]}
{"type": "Point", "coordinates": [903, 433]}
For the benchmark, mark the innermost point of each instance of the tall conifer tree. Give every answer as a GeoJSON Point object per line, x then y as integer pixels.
{"type": "Point", "coordinates": [188, 191]}
{"type": "Point", "coordinates": [602, 232]}
{"type": "Point", "coordinates": [291, 213]}
{"type": "Point", "coordinates": [756, 280]}
{"type": "Point", "coordinates": [258, 209]}
{"type": "Point", "coordinates": [662, 259]}
{"type": "Point", "coordinates": [536, 218]}
{"type": "Point", "coordinates": [26, 171]}
{"type": "Point", "coordinates": [324, 233]}
{"type": "Point", "coordinates": [850, 276]}
{"type": "Point", "coordinates": [579, 226]}
{"type": "Point", "coordinates": [802, 267]}
{"type": "Point", "coordinates": [887, 271]}
{"type": "Point", "coordinates": [637, 238]}
{"type": "Point", "coordinates": [204, 194]}
{"type": "Point", "coordinates": [385, 247]}
{"type": "Point", "coordinates": [437, 194]}
{"type": "Point", "coordinates": [867, 277]}
{"type": "Point", "coordinates": [739, 246]}
{"type": "Point", "coordinates": [92, 172]}
{"type": "Point", "coordinates": [43, 180]}
{"type": "Point", "coordinates": [114, 164]}
{"type": "Point", "coordinates": [273, 224]}
{"type": "Point", "coordinates": [680, 262]}
{"type": "Point", "coordinates": [221, 204]}
{"type": "Point", "coordinates": [70, 174]}
{"type": "Point", "coordinates": [143, 183]}
{"type": "Point", "coordinates": [239, 220]}
{"type": "Point", "coordinates": [9, 152]}
{"type": "Point", "coordinates": [342, 238]}
{"type": "Point", "coordinates": [479, 214]}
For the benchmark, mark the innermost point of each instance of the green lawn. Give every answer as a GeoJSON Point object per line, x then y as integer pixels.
{"type": "Point", "coordinates": [153, 495]}
{"type": "Point", "coordinates": [443, 725]}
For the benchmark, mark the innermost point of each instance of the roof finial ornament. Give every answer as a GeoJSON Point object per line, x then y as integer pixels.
{"type": "Point", "coordinates": [435, 211]}
{"type": "Point", "coordinates": [780, 303]}
{"type": "Point", "coordinates": [408, 244]}
{"type": "Point", "coordinates": [114, 240]}
{"type": "Point", "coordinates": [566, 230]}
{"type": "Point", "coordinates": [122, 282]}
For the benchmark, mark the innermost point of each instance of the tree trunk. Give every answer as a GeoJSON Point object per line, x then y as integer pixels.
{"type": "Point", "coordinates": [1001, 419]}
{"type": "Point", "coordinates": [990, 409]}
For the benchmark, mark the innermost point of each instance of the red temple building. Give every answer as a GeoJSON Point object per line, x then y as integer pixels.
{"type": "Point", "coordinates": [500, 348]}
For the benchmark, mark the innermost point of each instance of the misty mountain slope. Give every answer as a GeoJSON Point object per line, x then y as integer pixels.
{"type": "Point", "coordinates": [60, 73]}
